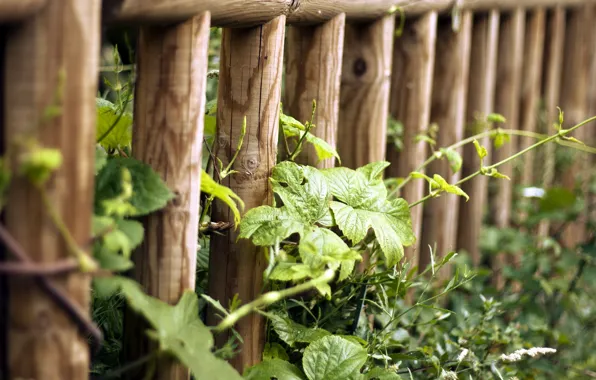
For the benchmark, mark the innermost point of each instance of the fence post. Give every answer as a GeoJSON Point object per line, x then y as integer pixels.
{"type": "Point", "coordinates": [509, 70]}
{"type": "Point", "coordinates": [365, 82]}
{"type": "Point", "coordinates": [574, 102]}
{"type": "Point", "coordinates": [168, 129]}
{"type": "Point", "coordinates": [481, 95]}
{"type": "Point", "coordinates": [54, 52]}
{"type": "Point", "coordinates": [249, 86]}
{"type": "Point", "coordinates": [411, 87]}
{"type": "Point", "coordinates": [448, 107]}
{"type": "Point", "coordinates": [313, 71]}
{"type": "Point", "coordinates": [530, 89]}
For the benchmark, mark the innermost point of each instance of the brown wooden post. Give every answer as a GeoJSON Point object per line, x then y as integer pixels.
{"type": "Point", "coordinates": [249, 86]}
{"type": "Point", "coordinates": [448, 107]}
{"type": "Point", "coordinates": [481, 94]}
{"type": "Point", "coordinates": [530, 88]}
{"type": "Point", "coordinates": [56, 51]}
{"type": "Point", "coordinates": [313, 71]}
{"type": "Point", "coordinates": [411, 81]}
{"type": "Point", "coordinates": [509, 70]}
{"type": "Point", "coordinates": [553, 64]}
{"type": "Point", "coordinates": [574, 102]}
{"type": "Point", "coordinates": [15, 10]}
{"type": "Point", "coordinates": [365, 83]}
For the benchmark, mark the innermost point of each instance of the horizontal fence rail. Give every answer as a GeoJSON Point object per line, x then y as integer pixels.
{"type": "Point", "coordinates": [447, 62]}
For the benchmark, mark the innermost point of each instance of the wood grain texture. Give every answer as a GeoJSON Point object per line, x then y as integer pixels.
{"type": "Point", "coordinates": [530, 89]}
{"type": "Point", "coordinates": [365, 83]}
{"type": "Point", "coordinates": [313, 70]}
{"type": "Point", "coordinates": [553, 66]}
{"type": "Point", "coordinates": [249, 85]}
{"type": "Point", "coordinates": [242, 13]}
{"type": "Point", "coordinates": [62, 41]}
{"type": "Point", "coordinates": [509, 71]}
{"type": "Point", "coordinates": [480, 102]}
{"type": "Point", "coordinates": [448, 107]}
{"type": "Point", "coordinates": [574, 102]}
{"type": "Point", "coordinates": [15, 10]}
{"type": "Point", "coordinates": [411, 81]}
{"type": "Point", "coordinates": [167, 135]}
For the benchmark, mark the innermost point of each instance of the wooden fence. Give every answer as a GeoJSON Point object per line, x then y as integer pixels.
{"type": "Point", "coordinates": [452, 61]}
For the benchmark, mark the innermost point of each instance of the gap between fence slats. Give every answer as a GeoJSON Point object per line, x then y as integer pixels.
{"type": "Point", "coordinates": [448, 107]}
{"type": "Point", "coordinates": [249, 85]}
{"type": "Point", "coordinates": [411, 81]}
{"type": "Point", "coordinates": [313, 71]}
{"type": "Point", "coordinates": [481, 94]}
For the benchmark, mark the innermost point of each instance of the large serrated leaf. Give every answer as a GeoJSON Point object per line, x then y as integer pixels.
{"type": "Point", "coordinates": [108, 116]}
{"type": "Point", "coordinates": [291, 332]}
{"type": "Point", "coordinates": [266, 225]}
{"type": "Point", "coordinates": [274, 369]}
{"type": "Point", "coordinates": [332, 358]}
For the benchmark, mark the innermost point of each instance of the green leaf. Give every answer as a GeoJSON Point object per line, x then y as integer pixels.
{"type": "Point", "coordinates": [557, 198]}
{"type": "Point", "coordinates": [378, 373]}
{"type": "Point", "coordinates": [495, 174]}
{"type": "Point", "coordinates": [101, 158]}
{"type": "Point", "coordinates": [112, 261]}
{"type": "Point", "coordinates": [266, 225]}
{"type": "Point", "coordinates": [354, 187]}
{"type": "Point", "coordinates": [38, 164]}
{"type": "Point", "coordinates": [293, 128]}
{"type": "Point", "coordinates": [332, 358]}
{"type": "Point", "coordinates": [179, 331]}
{"type": "Point", "coordinates": [225, 194]}
{"type": "Point", "coordinates": [495, 118]}
{"type": "Point", "coordinates": [150, 193]}
{"type": "Point", "coordinates": [133, 230]}
{"type": "Point", "coordinates": [274, 351]}
{"type": "Point", "coordinates": [274, 369]}
{"type": "Point", "coordinates": [440, 183]}
{"type": "Point", "coordinates": [108, 116]}
{"type": "Point", "coordinates": [291, 332]}
{"type": "Point", "coordinates": [374, 171]}
{"type": "Point", "coordinates": [322, 246]}
{"type": "Point", "coordinates": [482, 152]}
{"type": "Point", "coordinates": [501, 138]}
{"type": "Point", "coordinates": [454, 158]}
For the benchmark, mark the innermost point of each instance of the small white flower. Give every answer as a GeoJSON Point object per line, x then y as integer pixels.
{"type": "Point", "coordinates": [462, 355]}
{"type": "Point", "coordinates": [532, 352]}
{"type": "Point", "coordinates": [448, 375]}
{"type": "Point", "coordinates": [533, 192]}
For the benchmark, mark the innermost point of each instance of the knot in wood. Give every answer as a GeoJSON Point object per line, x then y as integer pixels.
{"type": "Point", "coordinates": [250, 163]}
{"type": "Point", "coordinates": [359, 67]}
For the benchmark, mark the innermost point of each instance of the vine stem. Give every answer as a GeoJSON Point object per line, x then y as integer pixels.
{"type": "Point", "coordinates": [271, 297]}
{"type": "Point", "coordinates": [561, 133]}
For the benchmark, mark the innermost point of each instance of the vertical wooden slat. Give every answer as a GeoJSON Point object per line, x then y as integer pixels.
{"type": "Point", "coordinates": [553, 64]}
{"type": "Point", "coordinates": [530, 89]}
{"type": "Point", "coordinates": [249, 85]}
{"type": "Point", "coordinates": [168, 130]}
{"type": "Point", "coordinates": [365, 83]}
{"type": "Point", "coordinates": [481, 94]}
{"type": "Point", "coordinates": [61, 41]}
{"type": "Point", "coordinates": [509, 70]}
{"type": "Point", "coordinates": [411, 81]}
{"type": "Point", "coordinates": [448, 107]}
{"type": "Point", "coordinates": [574, 96]}
{"type": "Point", "coordinates": [313, 71]}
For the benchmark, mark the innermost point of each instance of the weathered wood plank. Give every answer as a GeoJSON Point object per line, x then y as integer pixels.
{"type": "Point", "coordinates": [243, 13]}
{"type": "Point", "coordinates": [15, 10]}
{"type": "Point", "coordinates": [553, 66]}
{"type": "Point", "coordinates": [411, 81]}
{"type": "Point", "coordinates": [365, 82]}
{"type": "Point", "coordinates": [574, 102]}
{"type": "Point", "coordinates": [481, 94]}
{"type": "Point", "coordinates": [55, 51]}
{"type": "Point", "coordinates": [509, 71]}
{"type": "Point", "coordinates": [313, 70]}
{"type": "Point", "coordinates": [448, 107]}
{"type": "Point", "coordinates": [168, 130]}
{"type": "Point", "coordinates": [249, 86]}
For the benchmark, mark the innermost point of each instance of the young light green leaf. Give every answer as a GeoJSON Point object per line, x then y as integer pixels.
{"type": "Point", "coordinates": [291, 332]}
{"type": "Point", "coordinates": [495, 174]}
{"type": "Point", "coordinates": [500, 139]}
{"type": "Point", "coordinates": [332, 358]}
{"type": "Point", "coordinates": [266, 225]}
{"type": "Point", "coordinates": [274, 369]}
{"type": "Point", "coordinates": [496, 118]}
{"type": "Point", "coordinates": [150, 193]}
{"type": "Point", "coordinates": [321, 246]}
{"type": "Point", "coordinates": [482, 152]}
{"type": "Point", "coordinates": [441, 184]}
{"type": "Point", "coordinates": [225, 194]}
{"type": "Point", "coordinates": [178, 330]}
{"type": "Point", "coordinates": [109, 116]}
{"type": "Point", "coordinates": [454, 158]}
{"type": "Point", "coordinates": [374, 171]}
{"type": "Point", "coordinates": [38, 164]}
{"type": "Point", "coordinates": [322, 147]}
{"type": "Point", "coordinates": [324, 290]}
